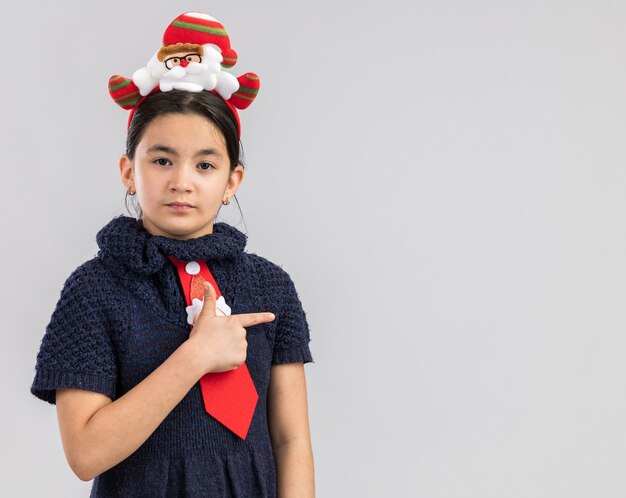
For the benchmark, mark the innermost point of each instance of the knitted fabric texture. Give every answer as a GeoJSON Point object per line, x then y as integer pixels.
{"type": "Point", "coordinates": [122, 314]}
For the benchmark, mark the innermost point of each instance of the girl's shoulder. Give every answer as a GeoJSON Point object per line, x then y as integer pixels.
{"type": "Point", "coordinates": [273, 278]}
{"type": "Point", "coordinates": [89, 283]}
{"type": "Point", "coordinates": [269, 272]}
{"type": "Point", "coordinates": [89, 277]}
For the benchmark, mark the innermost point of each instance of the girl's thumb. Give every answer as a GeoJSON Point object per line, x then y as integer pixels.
{"type": "Point", "coordinates": [208, 307]}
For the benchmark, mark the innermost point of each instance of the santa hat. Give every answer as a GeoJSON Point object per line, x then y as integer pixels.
{"type": "Point", "coordinates": [199, 28]}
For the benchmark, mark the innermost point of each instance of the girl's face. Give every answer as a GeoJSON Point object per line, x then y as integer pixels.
{"type": "Point", "coordinates": [181, 158]}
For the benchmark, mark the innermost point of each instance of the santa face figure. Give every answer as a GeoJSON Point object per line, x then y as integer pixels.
{"type": "Point", "coordinates": [186, 66]}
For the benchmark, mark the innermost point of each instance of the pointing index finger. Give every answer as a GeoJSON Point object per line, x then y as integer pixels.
{"type": "Point", "coordinates": [250, 319]}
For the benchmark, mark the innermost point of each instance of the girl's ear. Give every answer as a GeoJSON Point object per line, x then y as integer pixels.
{"type": "Point", "coordinates": [234, 180]}
{"type": "Point", "coordinates": [126, 171]}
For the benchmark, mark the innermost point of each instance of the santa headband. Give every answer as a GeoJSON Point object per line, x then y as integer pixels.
{"type": "Point", "coordinates": [195, 50]}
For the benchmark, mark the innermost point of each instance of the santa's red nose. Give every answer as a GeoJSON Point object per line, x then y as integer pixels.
{"type": "Point", "coordinates": [184, 62]}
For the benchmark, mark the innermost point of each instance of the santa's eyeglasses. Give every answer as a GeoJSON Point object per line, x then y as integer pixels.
{"type": "Point", "coordinates": [182, 60]}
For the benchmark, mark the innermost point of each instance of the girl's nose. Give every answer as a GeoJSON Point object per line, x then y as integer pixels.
{"type": "Point", "coordinates": [181, 178]}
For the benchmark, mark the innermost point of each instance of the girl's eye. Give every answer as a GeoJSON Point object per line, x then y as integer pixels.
{"type": "Point", "coordinates": [161, 161]}
{"type": "Point", "coordinates": [206, 166]}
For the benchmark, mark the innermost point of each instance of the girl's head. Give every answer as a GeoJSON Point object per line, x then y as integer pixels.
{"type": "Point", "coordinates": [182, 147]}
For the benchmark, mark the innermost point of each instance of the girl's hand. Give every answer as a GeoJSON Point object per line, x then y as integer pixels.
{"type": "Point", "coordinates": [220, 341]}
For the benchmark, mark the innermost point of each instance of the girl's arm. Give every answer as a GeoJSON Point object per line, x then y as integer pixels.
{"type": "Point", "coordinates": [98, 433]}
{"type": "Point", "coordinates": [289, 430]}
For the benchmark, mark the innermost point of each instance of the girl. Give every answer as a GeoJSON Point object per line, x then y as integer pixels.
{"type": "Point", "coordinates": [175, 358]}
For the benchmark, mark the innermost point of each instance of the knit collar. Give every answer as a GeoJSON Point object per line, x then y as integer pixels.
{"type": "Point", "coordinates": [126, 238]}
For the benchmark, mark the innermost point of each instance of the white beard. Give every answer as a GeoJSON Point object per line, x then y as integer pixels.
{"type": "Point", "coordinates": [194, 78]}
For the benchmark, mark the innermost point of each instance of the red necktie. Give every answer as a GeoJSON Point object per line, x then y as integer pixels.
{"type": "Point", "coordinates": [230, 397]}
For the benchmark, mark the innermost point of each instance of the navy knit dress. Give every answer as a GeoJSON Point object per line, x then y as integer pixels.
{"type": "Point", "coordinates": [122, 314]}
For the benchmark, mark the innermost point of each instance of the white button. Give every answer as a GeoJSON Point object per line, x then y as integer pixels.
{"type": "Point", "coordinates": [193, 268]}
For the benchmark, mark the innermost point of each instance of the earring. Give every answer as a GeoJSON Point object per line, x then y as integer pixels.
{"type": "Point", "coordinates": [131, 192]}
{"type": "Point", "coordinates": [226, 202]}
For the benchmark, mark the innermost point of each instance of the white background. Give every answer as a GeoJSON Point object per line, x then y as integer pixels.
{"type": "Point", "coordinates": [443, 180]}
